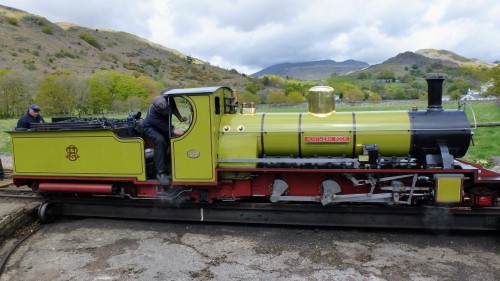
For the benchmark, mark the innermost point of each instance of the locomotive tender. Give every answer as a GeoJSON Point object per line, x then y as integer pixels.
{"type": "Point", "coordinates": [230, 152]}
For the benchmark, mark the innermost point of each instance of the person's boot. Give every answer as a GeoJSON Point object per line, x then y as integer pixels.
{"type": "Point", "coordinates": [164, 179]}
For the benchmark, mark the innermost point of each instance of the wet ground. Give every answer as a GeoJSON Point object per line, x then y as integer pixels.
{"type": "Point", "coordinates": [102, 249]}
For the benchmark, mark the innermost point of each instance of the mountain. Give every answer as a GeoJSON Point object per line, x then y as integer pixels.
{"type": "Point", "coordinates": [422, 62]}
{"type": "Point", "coordinates": [449, 56]}
{"type": "Point", "coordinates": [425, 59]}
{"type": "Point", "coordinates": [410, 58]}
{"type": "Point", "coordinates": [32, 44]}
{"type": "Point", "coordinates": [313, 70]}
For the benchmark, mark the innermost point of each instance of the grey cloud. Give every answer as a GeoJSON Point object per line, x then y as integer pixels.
{"type": "Point", "coordinates": [116, 15]}
{"type": "Point", "coordinates": [258, 33]}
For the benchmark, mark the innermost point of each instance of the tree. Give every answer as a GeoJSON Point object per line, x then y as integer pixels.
{"type": "Point", "coordinates": [363, 75]}
{"type": "Point", "coordinates": [252, 88]}
{"type": "Point", "coordinates": [295, 97]}
{"type": "Point", "coordinates": [459, 85]}
{"type": "Point", "coordinates": [386, 74]}
{"type": "Point", "coordinates": [275, 98]}
{"type": "Point", "coordinates": [291, 87]}
{"type": "Point", "coordinates": [266, 81]}
{"type": "Point", "coordinates": [80, 89]}
{"type": "Point", "coordinates": [353, 95]}
{"type": "Point", "coordinates": [55, 95]}
{"type": "Point", "coordinates": [108, 86]}
{"type": "Point", "coordinates": [455, 95]}
{"type": "Point", "coordinates": [272, 80]}
{"type": "Point", "coordinates": [134, 103]}
{"type": "Point", "coordinates": [16, 93]}
{"type": "Point", "coordinates": [342, 88]}
{"type": "Point", "coordinates": [493, 77]}
{"type": "Point", "coordinates": [153, 88]}
{"type": "Point", "coordinates": [248, 97]}
{"type": "Point", "coordinates": [371, 96]}
{"type": "Point", "coordinates": [100, 98]}
{"type": "Point", "coordinates": [124, 86]}
{"type": "Point", "coordinates": [407, 78]}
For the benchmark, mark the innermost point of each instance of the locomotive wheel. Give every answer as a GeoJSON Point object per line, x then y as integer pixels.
{"type": "Point", "coordinates": [48, 212]}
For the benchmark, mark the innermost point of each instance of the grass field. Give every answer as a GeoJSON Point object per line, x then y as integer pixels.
{"type": "Point", "coordinates": [486, 139]}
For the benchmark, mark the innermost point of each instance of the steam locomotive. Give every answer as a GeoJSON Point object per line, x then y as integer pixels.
{"type": "Point", "coordinates": [231, 152]}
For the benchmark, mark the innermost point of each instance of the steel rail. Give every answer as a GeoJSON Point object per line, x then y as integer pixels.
{"type": "Point", "coordinates": [285, 214]}
{"type": "Point", "coordinates": [18, 196]}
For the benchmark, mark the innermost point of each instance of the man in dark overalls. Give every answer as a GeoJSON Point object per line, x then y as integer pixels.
{"type": "Point", "coordinates": [158, 128]}
{"type": "Point", "coordinates": [32, 115]}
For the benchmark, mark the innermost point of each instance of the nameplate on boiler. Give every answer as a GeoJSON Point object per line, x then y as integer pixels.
{"type": "Point", "coordinates": [327, 139]}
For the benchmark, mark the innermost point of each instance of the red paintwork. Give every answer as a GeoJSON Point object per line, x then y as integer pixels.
{"type": "Point", "coordinates": [484, 201]}
{"type": "Point", "coordinates": [484, 175]}
{"type": "Point", "coordinates": [76, 187]}
{"type": "Point", "coordinates": [301, 182]}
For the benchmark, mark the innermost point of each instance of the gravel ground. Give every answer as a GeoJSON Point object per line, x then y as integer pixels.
{"type": "Point", "coordinates": [101, 249]}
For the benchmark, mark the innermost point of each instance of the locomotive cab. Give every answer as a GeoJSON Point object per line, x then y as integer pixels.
{"type": "Point", "coordinates": [194, 153]}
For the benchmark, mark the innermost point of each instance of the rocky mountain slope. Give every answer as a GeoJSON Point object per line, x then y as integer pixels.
{"type": "Point", "coordinates": [32, 43]}
{"type": "Point", "coordinates": [313, 70]}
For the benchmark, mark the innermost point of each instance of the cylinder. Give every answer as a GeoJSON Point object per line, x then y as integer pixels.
{"type": "Point", "coordinates": [321, 100]}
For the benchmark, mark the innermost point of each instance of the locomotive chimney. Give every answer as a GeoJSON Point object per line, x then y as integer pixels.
{"type": "Point", "coordinates": [434, 93]}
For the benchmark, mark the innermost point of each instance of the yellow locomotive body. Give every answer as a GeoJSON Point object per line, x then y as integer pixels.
{"type": "Point", "coordinates": [82, 153]}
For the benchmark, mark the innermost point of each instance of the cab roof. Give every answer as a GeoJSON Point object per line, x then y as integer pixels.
{"type": "Point", "coordinates": [193, 91]}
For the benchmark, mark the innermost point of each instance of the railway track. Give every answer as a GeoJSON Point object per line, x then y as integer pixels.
{"type": "Point", "coordinates": [283, 214]}
{"type": "Point", "coordinates": [6, 173]}
{"type": "Point", "coordinates": [8, 191]}
{"type": "Point", "coordinates": [261, 213]}
{"type": "Point", "coordinates": [264, 213]}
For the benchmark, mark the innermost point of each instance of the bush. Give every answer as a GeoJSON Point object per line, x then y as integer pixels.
{"type": "Point", "coordinates": [90, 39]}
{"type": "Point", "coordinates": [47, 30]}
{"type": "Point", "coordinates": [13, 21]}
{"type": "Point", "coordinates": [30, 65]}
{"type": "Point", "coordinates": [64, 54]}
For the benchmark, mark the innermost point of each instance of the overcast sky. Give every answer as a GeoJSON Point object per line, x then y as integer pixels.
{"type": "Point", "coordinates": [249, 35]}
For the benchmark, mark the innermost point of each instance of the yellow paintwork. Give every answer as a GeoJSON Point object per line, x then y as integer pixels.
{"type": "Point", "coordinates": [194, 154]}
{"type": "Point", "coordinates": [100, 153]}
{"type": "Point", "coordinates": [284, 134]}
{"type": "Point", "coordinates": [197, 142]}
{"type": "Point", "coordinates": [449, 188]}
{"type": "Point", "coordinates": [337, 124]}
{"type": "Point", "coordinates": [239, 137]}
{"type": "Point", "coordinates": [281, 134]}
{"type": "Point", "coordinates": [389, 130]}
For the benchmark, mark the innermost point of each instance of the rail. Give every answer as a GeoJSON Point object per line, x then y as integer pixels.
{"type": "Point", "coordinates": [282, 214]}
{"type": "Point", "coordinates": [488, 124]}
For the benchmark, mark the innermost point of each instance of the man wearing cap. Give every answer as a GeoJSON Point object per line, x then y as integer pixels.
{"type": "Point", "coordinates": [31, 116]}
{"type": "Point", "coordinates": [158, 128]}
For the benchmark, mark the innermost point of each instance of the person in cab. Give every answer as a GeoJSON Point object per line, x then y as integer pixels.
{"type": "Point", "coordinates": [158, 127]}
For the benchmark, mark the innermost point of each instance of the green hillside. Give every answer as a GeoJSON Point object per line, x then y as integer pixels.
{"type": "Point", "coordinates": [34, 44]}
